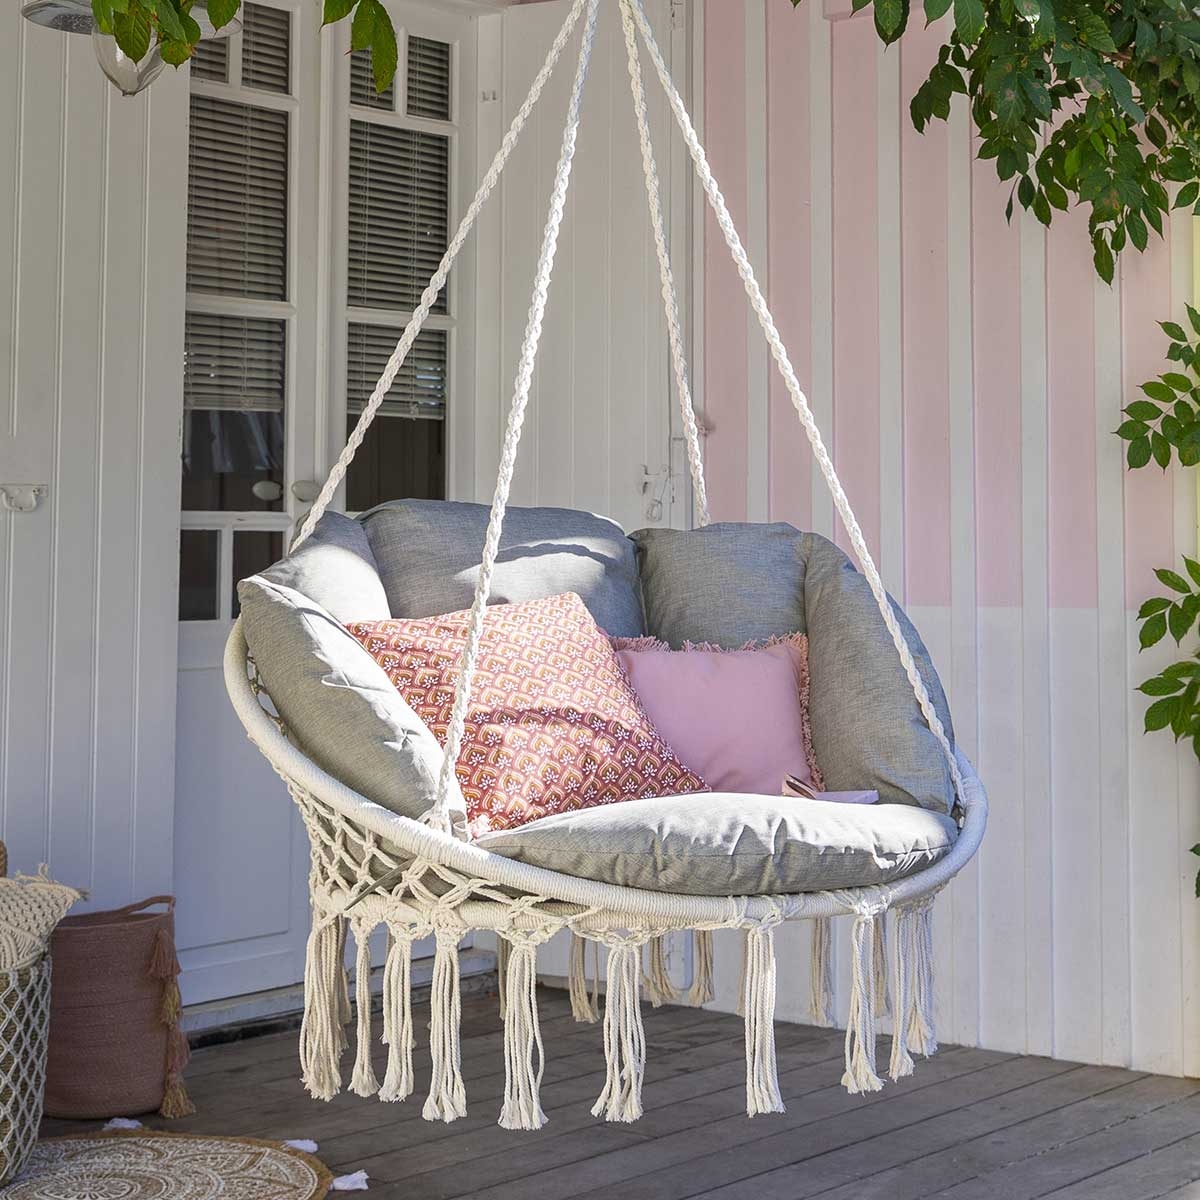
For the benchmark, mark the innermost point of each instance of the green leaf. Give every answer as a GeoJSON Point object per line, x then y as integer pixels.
{"type": "Point", "coordinates": [1193, 568]}
{"type": "Point", "coordinates": [1139, 452]}
{"type": "Point", "coordinates": [336, 10]}
{"type": "Point", "coordinates": [1155, 604]}
{"type": "Point", "coordinates": [132, 31]}
{"type": "Point", "coordinates": [362, 28]}
{"type": "Point", "coordinates": [1102, 259]}
{"type": "Point", "coordinates": [1173, 331]}
{"type": "Point", "coordinates": [1159, 685]}
{"type": "Point", "coordinates": [891, 18]}
{"type": "Point", "coordinates": [1173, 580]}
{"type": "Point", "coordinates": [1178, 622]}
{"type": "Point", "coordinates": [102, 13]}
{"type": "Point", "coordinates": [176, 53]}
{"type": "Point", "coordinates": [1153, 631]}
{"type": "Point", "coordinates": [1187, 195]}
{"type": "Point", "coordinates": [1177, 382]}
{"type": "Point", "coordinates": [1161, 713]}
{"type": "Point", "coordinates": [1159, 391]}
{"type": "Point", "coordinates": [935, 9]}
{"type": "Point", "coordinates": [1161, 449]}
{"type": "Point", "coordinates": [1193, 317]}
{"type": "Point", "coordinates": [221, 12]}
{"type": "Point", "coordinates": [969, 19]}
{"type": "Point", "coordinates": [169, 23]}
{"type": "Point", "coordinates": [384, 54]}
{"type": "Point", "coordinates": [1128, 430]}
{"type": "Point", "coordinates": [1143, 410]}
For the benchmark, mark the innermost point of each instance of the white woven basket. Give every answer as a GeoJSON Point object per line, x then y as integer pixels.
{"type": "Point", "coordinates": [24, 1030]}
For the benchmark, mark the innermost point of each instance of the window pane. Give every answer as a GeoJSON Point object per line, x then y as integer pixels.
{"type": "Point", "coordinates": [198, 573]}
{"type": "Point", "coordinates": [233, 362]}
{"type": "Point", "coordinates": [210, 60]}
{"type": "Point", "coordinates": [253, 550]}
{"type": "Point", "coordinates": [362, 84]}
{"type": "Point", "coordinates": [399, 193]}
{"type": "Point", "coordinates": [428, 79]}
{"type": "Point", "coordinates": [237, 200]}
{"type": "Point", "coordinates": [266, 48]}
{"type": "Point", "coordinates": [401, 457]}
{"type": "Point", "coordinates": [419, 389]}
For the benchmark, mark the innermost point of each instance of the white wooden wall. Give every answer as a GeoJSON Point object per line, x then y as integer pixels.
{"type": "Point", "coordinates": [91, 333]}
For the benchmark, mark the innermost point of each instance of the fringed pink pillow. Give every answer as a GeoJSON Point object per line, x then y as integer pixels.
{"type": "Point", "coordinates": [738, 718]}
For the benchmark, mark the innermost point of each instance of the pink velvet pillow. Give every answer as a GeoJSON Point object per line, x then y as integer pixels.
{"type": "Point", "coordinates": [738, 718]}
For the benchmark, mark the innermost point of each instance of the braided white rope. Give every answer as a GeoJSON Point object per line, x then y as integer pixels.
{"type": "Point", "coordinates": [439, 816]}
{"type": "Point", "coordinates": [438, 281]}
{"type": "Point", "coordinates": [669, 296]}
{"type": "Point", "coordinates": [799, 400]}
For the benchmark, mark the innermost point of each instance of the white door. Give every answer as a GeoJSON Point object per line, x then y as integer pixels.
{"type": "Point", "coordinates": [317, 210]}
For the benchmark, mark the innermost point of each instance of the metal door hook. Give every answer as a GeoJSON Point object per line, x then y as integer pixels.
{"type": "Point", "coordinates": [21, 497]}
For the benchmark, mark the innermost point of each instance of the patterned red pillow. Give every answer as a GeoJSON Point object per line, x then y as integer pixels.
{"type": "Point", "coordinates": [553, 724]}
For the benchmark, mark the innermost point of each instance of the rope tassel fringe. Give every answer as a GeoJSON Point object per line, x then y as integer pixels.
{"type": "Point", "coordinates": [524, 1055]}
{"type": "Point", "coordinates": [657, 980]}
{"type": "Point", "coordinates": [821, 972]}
{"type": "Point", "coordinates": [321, 1037]}
{"type": "Point", "coordinates": [758, 1005]}
{"type": "Point", "coordinates": [701, 991]}
{"type": "Point", "coordinates": [585, 1008]}
{"type": "Point", "coordinates": [397, 1018]}
{"type": "Point", "coordinates": [447, 1099]}
{"type": "Point", "coordinates": [624, 1037]}
{"type": "Point", "coordinates": [363, 1082]}
{"type": "Point", "coordinates": [860, 1073]}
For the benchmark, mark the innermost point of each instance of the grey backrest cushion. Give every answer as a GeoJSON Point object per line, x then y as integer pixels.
{"type": "Point", "coordinates": [726, 844]}
{"type": "Point", "coordinates": [428, 554]}
{"type": "Point", "coordinates": [731, 583]}
{"type": "Point", "coordinates": [338, 704]}
{"type": "Point", "coordinates": [335, 568]}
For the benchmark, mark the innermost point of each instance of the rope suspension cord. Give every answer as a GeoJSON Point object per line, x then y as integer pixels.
{"type": "Point", "coordinates": [799, 400]}
{"type": "Point", "coordinates": [438, 281]}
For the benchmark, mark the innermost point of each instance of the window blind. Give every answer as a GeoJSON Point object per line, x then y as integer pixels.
{"type": "Point", "coordinates": [362, 84]}
{"type": "Point", "coordinates": [237, 200]}
{"type": "Point", "coordinates": [266, 48]}
{"type": "Point", "coordinates": [399, 194]}
{"type": "Point", "coordinates": [210, 60]}
{"type": "Point", "coordinates": [420, 387]}
{"type": "Point", "coordinates": [428, 78]}
{"type": "Point", "coordinates": [233, 363]}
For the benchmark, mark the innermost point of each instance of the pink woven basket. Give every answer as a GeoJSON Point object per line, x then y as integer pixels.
{"type": "Point", "coordinates": [116, 1048]}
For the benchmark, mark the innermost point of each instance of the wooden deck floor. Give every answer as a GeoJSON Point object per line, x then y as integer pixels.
{"type": "Point", "coordinates": [969, 1125]}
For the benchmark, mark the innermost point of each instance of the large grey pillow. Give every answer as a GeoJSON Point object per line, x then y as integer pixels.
{"type": "Point", "coordinates": [335, 567]}
{"type": "Point", "coordinates": [867, 728]}
{"type": "Point", "coordinates": [726, 844]}
{"type": "Point", "coordinates": [727, 583]}
{"type": "Point", "coordinates": [428, 552]}
{"type": "Point", "coordinates": [338, 704]}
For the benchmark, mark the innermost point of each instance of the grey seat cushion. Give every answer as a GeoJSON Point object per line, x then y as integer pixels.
{"type": "Point", "coordinates": [336, 568]}
{"type": "Point", "coordinates": [338, 703]}
{"type": "Point", "coordinates": [725, 844]}
{"type": "Point", "coordinates": [732, 583]}
{"type": "Point", "coordinates": [428, 554]}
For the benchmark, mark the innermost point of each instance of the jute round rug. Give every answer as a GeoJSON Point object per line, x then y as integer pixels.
{"type": "Point", "coordinates": [167, 1166]}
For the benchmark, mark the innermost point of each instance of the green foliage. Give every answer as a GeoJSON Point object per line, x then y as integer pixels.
{"type": "Point", "coordinates": [139, 24]}
{"type": "Point", "coordinates": [1096, 100]}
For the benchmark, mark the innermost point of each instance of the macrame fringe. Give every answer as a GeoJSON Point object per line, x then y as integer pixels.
{"type": "Point", "coordinates": [657, 979]}
{"type": "Point", "coordinates": [913, 972]}
{"type": "Point", "coordinates": [364, 1081]}
{"type": "Point", "coordinates": [524, 1055]}
{"type": "Point", "coordinates": [860, 1073]}
{"type": "Point", "coordinates": [821, 972]}
{"type": "Point", "coordinates": [397, 1017]}
{"type": "Point", "coordinates": [343, 988]}
{"type": "Point", "coordinates": [701, 991]}
{"type": "Point", "coordinates": [758, 1004]}
{"type": "Point", "coordinates": [502, 953]}
{"type": "Point", "coordinates": [447, 1096]}
{"type": "Point", "coordinates": [321, 1037]}
{"type": "Point", "coordinates": [624, 1037]}
{"type": "Point", "coordinates": [879, 965]}
{"type": "Point", "coordinates": [740, 1008]}
{"type": "Point", "coordinates": [585, 1007]}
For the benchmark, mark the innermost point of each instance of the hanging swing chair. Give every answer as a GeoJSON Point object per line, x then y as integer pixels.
{"type": "Point", "coordinates": [419, 876]}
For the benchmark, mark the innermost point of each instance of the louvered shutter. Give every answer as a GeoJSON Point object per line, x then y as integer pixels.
{"type": "Point", "coordinates": [237, 200]}
{"type": "Point", "coordinates": [420, 386]}
{"type": "Point", "coordinates": [266, 48]}
{"type": "Point", "coordinates": [428, 79]}
{"type": "Point", "coordinates": [233, 363]}
{"type": "Point", "coordinates": [398, 196]}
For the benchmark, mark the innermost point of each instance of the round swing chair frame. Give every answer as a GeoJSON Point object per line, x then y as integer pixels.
{"type": "Point", "coordinates": [373, 867]}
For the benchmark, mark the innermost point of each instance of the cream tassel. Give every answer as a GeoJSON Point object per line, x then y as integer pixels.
{"type": "Point", "coordinates": [901, 1063]}
{"type": "Point", "coordinates": [701, 991]}
{"type": "Point", "coordinates": [320, 1043]}
{"type": "Point", "coordinates": [397, 1017]}
{"type": "Point", "coordinates": [739, 1009]}
{"type": "Point", "coordinates": [343, 987]}
{"type": "Point", "coordinates": [758, 1003]}
{"type": "Point", "coordinates": [657, 982]}
{"type": "Point", "coordinates": [860, 1073]}
{"type": "Point", "coordinates": [502, 953]}
{"type": "Point", "coordinates": [524, 1055]}
{"type": "Point", "coordinates": [624, 1037]}
{"type": "Point", "coordinates": [879, 965]}
{"type": "Point", "coordinates": [821, 972]}
{"type": "Point", "coordinates": [447, 1096]}
{"type": "Point", "coordinates": [363, 1082]}
{"type": "Point", "coordinates": [921, 1031]}
{"type": "Point", "coordinates": [584, 1008]}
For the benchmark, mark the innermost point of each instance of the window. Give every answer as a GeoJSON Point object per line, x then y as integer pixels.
{"type": "Point", "coordinates": [399, 150]}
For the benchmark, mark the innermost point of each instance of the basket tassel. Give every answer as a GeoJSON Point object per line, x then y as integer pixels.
{"type": "Point", "coordinates": [363, 1082]}
{"type": "Point", "coordinates": [163, 963]}
{"type": "Point", "coordinates": [821, 972]}
{"type": "Point", "coordinates": [447, 1099]}
{"type": "Point", "coordinates": [524, 1055]}
{"type": "Point", "coordinates": [758, 1004]}
{"type": "Point", "coordinates": [701, 991]}
{"type": "Point", "coordinates": [657, 981]}
{"type": "Point", "coordinates": [584, 1007]}
{"type": "Point", "coordinates": [164, 966]}
{"type": "Point", "coordinates": [397, 1017]}
{"type": "Point", "coordinates": [321, 1037]}
{"type": "Point", "coordinates": [624, 1037]}
{"type": "Point", "coordinates": [175, 1101]}
{"type": "Point", "coordinates": [860, 1073]}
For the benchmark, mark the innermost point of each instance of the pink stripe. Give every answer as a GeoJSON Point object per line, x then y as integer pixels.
{"type": "Point", "coordinates": [789, 205]}
{"type": "Point", "coordinates": [1071, 342]}
{"type": "Point", "coordinates": [725, 364]}
{"type": "Point", "coordinates": [1146, 300]}
{"type": "Point", "coordinates": [856, 271]}
{"type": "Point", "coordinates": [924, 215]}
{"type": "Point", "coordinates": [996, 250]}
